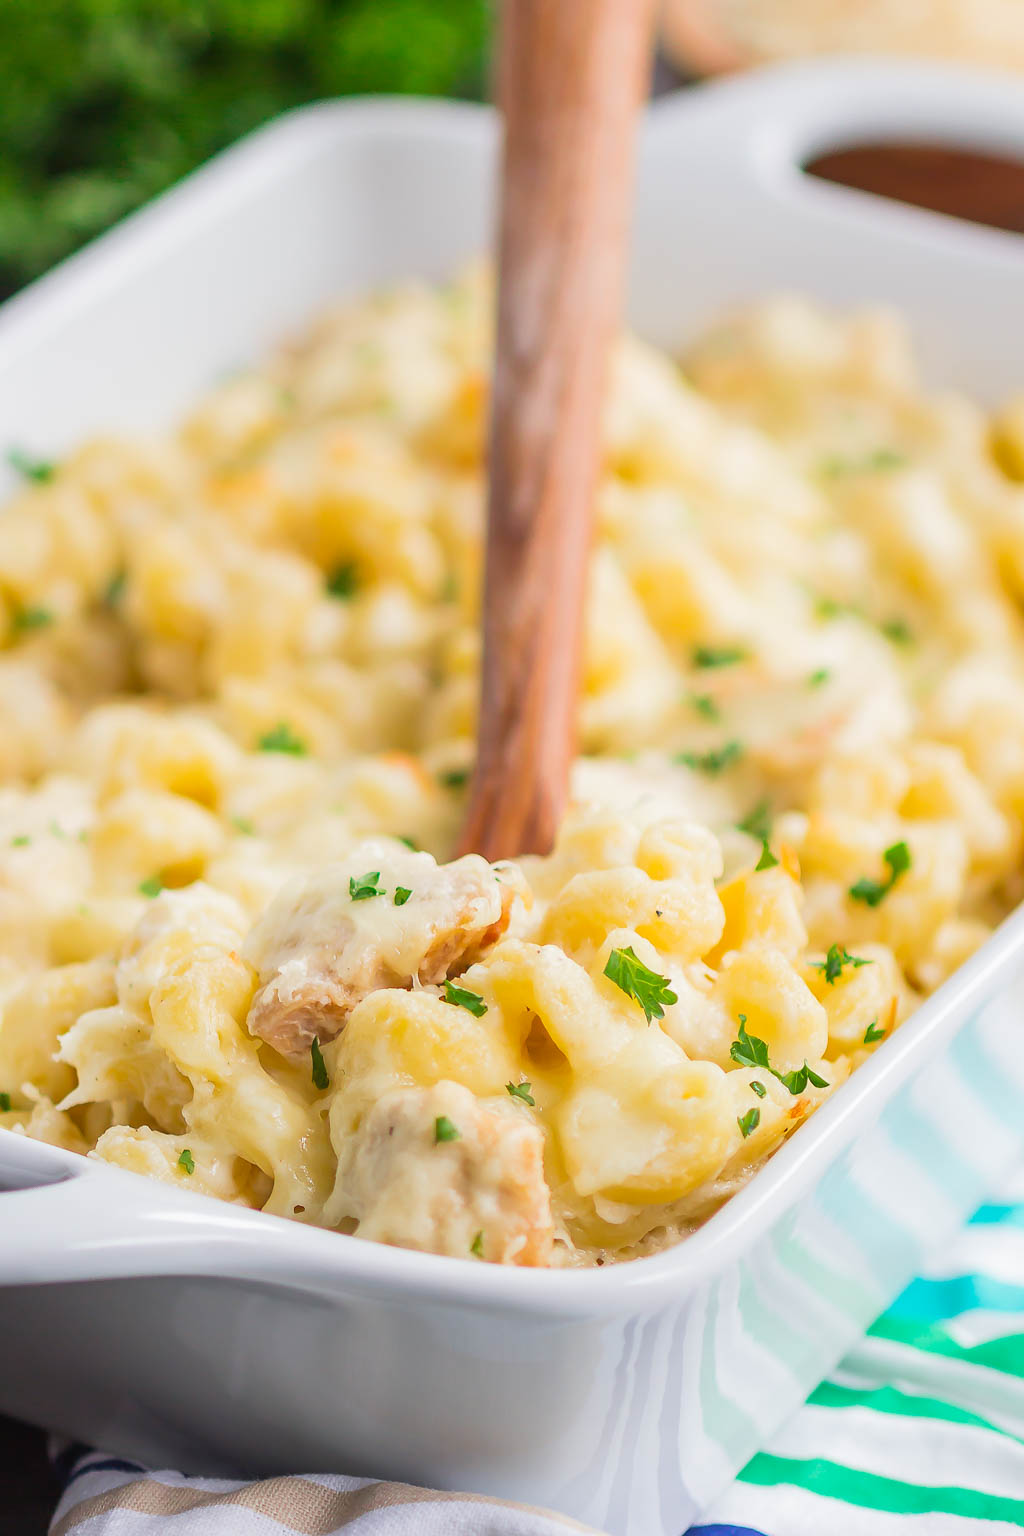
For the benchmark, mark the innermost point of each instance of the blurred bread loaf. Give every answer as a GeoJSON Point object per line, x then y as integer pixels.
{"type": "Point", "coordinates": [709, 36]}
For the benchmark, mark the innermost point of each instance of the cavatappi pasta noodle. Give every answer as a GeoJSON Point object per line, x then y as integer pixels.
{"type": "Point", "coordinates": [237, 690]}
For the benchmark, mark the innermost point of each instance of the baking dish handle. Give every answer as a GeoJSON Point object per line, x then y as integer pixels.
{"type": "Point", "coordinates": [64, 1219]}
{"type": "Point", "coordinates": [768, 124]}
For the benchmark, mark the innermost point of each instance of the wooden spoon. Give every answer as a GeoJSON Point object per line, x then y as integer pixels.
{"type": "Point", "coordinates": [571, 78]}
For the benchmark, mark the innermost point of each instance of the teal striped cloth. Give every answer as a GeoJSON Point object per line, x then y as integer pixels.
{"type": "Point", "coordinates": [921, 1429]}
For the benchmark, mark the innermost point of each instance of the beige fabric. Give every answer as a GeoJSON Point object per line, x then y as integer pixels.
{"type": "Point", "coordinates": [299, 1505]}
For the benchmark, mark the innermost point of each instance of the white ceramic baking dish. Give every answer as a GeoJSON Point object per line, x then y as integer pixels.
{"type": "Point", "coordinates": [166, 1326]}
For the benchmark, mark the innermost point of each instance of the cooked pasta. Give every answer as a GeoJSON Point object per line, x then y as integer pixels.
{"type": "Point", "coordinates": [237, 695]}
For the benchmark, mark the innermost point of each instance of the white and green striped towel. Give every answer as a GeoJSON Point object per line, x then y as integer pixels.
{"type": "Point", "coordinates": [920, 1432]}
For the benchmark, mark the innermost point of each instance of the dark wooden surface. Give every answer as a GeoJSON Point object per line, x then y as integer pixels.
{"type": "Point", "coordinates": [28, 1489]}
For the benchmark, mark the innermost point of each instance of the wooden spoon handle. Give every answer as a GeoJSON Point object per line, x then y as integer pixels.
{"type": "Point", "coordinates": [571, 76]}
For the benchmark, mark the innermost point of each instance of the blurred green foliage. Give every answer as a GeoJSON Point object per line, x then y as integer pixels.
{"type": "Point", "coordinates": [105, 102]}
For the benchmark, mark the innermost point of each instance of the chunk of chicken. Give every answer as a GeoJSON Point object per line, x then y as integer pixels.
{"type": "Point", "coordinates": [438, 1170]}
{"type": "Point", "coordinates": [320, 947]}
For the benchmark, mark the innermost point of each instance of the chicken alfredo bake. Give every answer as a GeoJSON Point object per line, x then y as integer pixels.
{"type": "Point", "coordinates": [236, 723]}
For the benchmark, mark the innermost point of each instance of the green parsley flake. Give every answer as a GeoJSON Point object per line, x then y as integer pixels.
{"type": "Point", "coordinates": [115, 589]}
{"type": "Point", "coordinates": [26, 619]}
{"type": "Point", "coordinates": [188, 1162]}
{"type": "Point", "coordinates": [873, 892]}
{"type": "Point", "coordinates": [836, 467]}
{"type": "Point", "coordinates": [445, 1130]}
{"type": "Point", "coordinates": [21, 841]}
{"type": "Point", "coordinates": [244, 825]}
{"type": "Point", "coordinates": [41, 471]}
{"type": "Point", "coordinates": [401, 896]}
{"type": "Point", "coordinates": [749, 1122]}
{"type": "Point", "coordinates": [282, 739]}
{"type": "Point", "coordinates": [408, 843]}
{"type": "Point", "coordinates": [819, 678]}
{"type": "Point", "coordinates": [749, 1051]}
{"type": "Point", "coordinates": [705, 705]}
{"type": "Point", "coordinates": [828, 608]}
{"type": "Point", "coordinates": [873, 1033]}
{"type": "Point", "coordinates": [462, 997]}
{"type": "Point", "coordinates": [758, 1088]}
{"type": "Point", "coordinates": [640, 983]}
{"type": "Point", "coordinates": [898, 631]}
{"type": "Point", "coordinates": [758, 822]}
{"type": "Point", "coordinates": [476, 1247]}
{"type": "Point", "coordinates": [5, 1103]}
{"type": "Point", "coordinates": [767, 859]}
{"type": "Point", "coordinates": [834, 961]}
{"type": "Point", "coordinates": [362, 887]}
{"type": "Point", "coordinates": [343, 581]}
{"type": "Point", "coordinates": [151, 886]}
{"type": "Point", "coordinates": [705, 656]}
{"type": "Point", "coordinates": [797, 1080]}
{"type": "Point", "coordinates": [714, 761]}
{"type": "Point", "coordinates": [454, 778]}
{"type": "Point", "coordinates": [320, 1077]}
{"type": "Point", "coordinates": [521, 1091]}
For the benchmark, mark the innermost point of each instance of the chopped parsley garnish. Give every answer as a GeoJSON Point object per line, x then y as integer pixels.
{"type": "Point", "coordinates": [749, 1122]}
{"type": "Point", "coordinates": [831, 608]}
{"type": "Point", "coordinates": [31, 618]}
{"type": "Point", "coordinates": [797, 1081]}
{"type": "Point", "coordinates": [898, 631]}
{"type": "Point", "coordinates": [188, 1162]}
{"type": "Point", "coordinates": [714, 761]}
{"type": "Point", "coordinates": [767, 859]}
{"type": "Point", "coordinates": [705, 705]}
{"type": "Point", "coordinates": [408, 843]}
{"type": "Point", "coordinates": [401, 896]}
{"type": "Point", "coordinates": [873, 892]}
{"type": "Point", "coordinates": [115, 589]}
{"type": "Point", "coordinates": [343, 581]}
{"type": "Point", "coordinates": [834, 961]}
{"type": "Point", "coordinates": [758, 1088]}
{"type": "Point", "coordinates": [57, 830]}
{"type": "Point", "coordinates": [39, 470]}
{"type": "Point", "coordinates": [282, 739]}
{"type": "Point", "coordinates": [362, 887]}
{"type": "Point", "coordinates": [462, 997]}
{"type": "Point", "coordinates": [520, 1091]}
{"type": "Point", "coordinates": [818, 678]}
{"type": "Point", "coordinates": [719, 655]}
{"type": "Point", "coordinates": [454, 778]}
{"type": "Point", "coordinates": [749, 1051]}
{"type": "Point", "coordinates": [476, 1247]}
{"type": "Point", "coordinates": [639, 982]}
{"type": "Point", "coordinates": [151, 886]}
{"type": "Point", "coordinates": [873, 1033]}
{"type": "Point", "coordinates": [244, 825]}
{"type": "Point", "coordinates": [445, 1130]}
{"type": "Point", "coordinates": [5, 1103]}
{"type": "Point", "coordinates": [320, 1078]}
{"type": "Point", "coordinates": [21, 841]}
{"type": "Point", "coordinates": [878, 459]}
{"type": "Point", "coordinates": [758, 822]}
